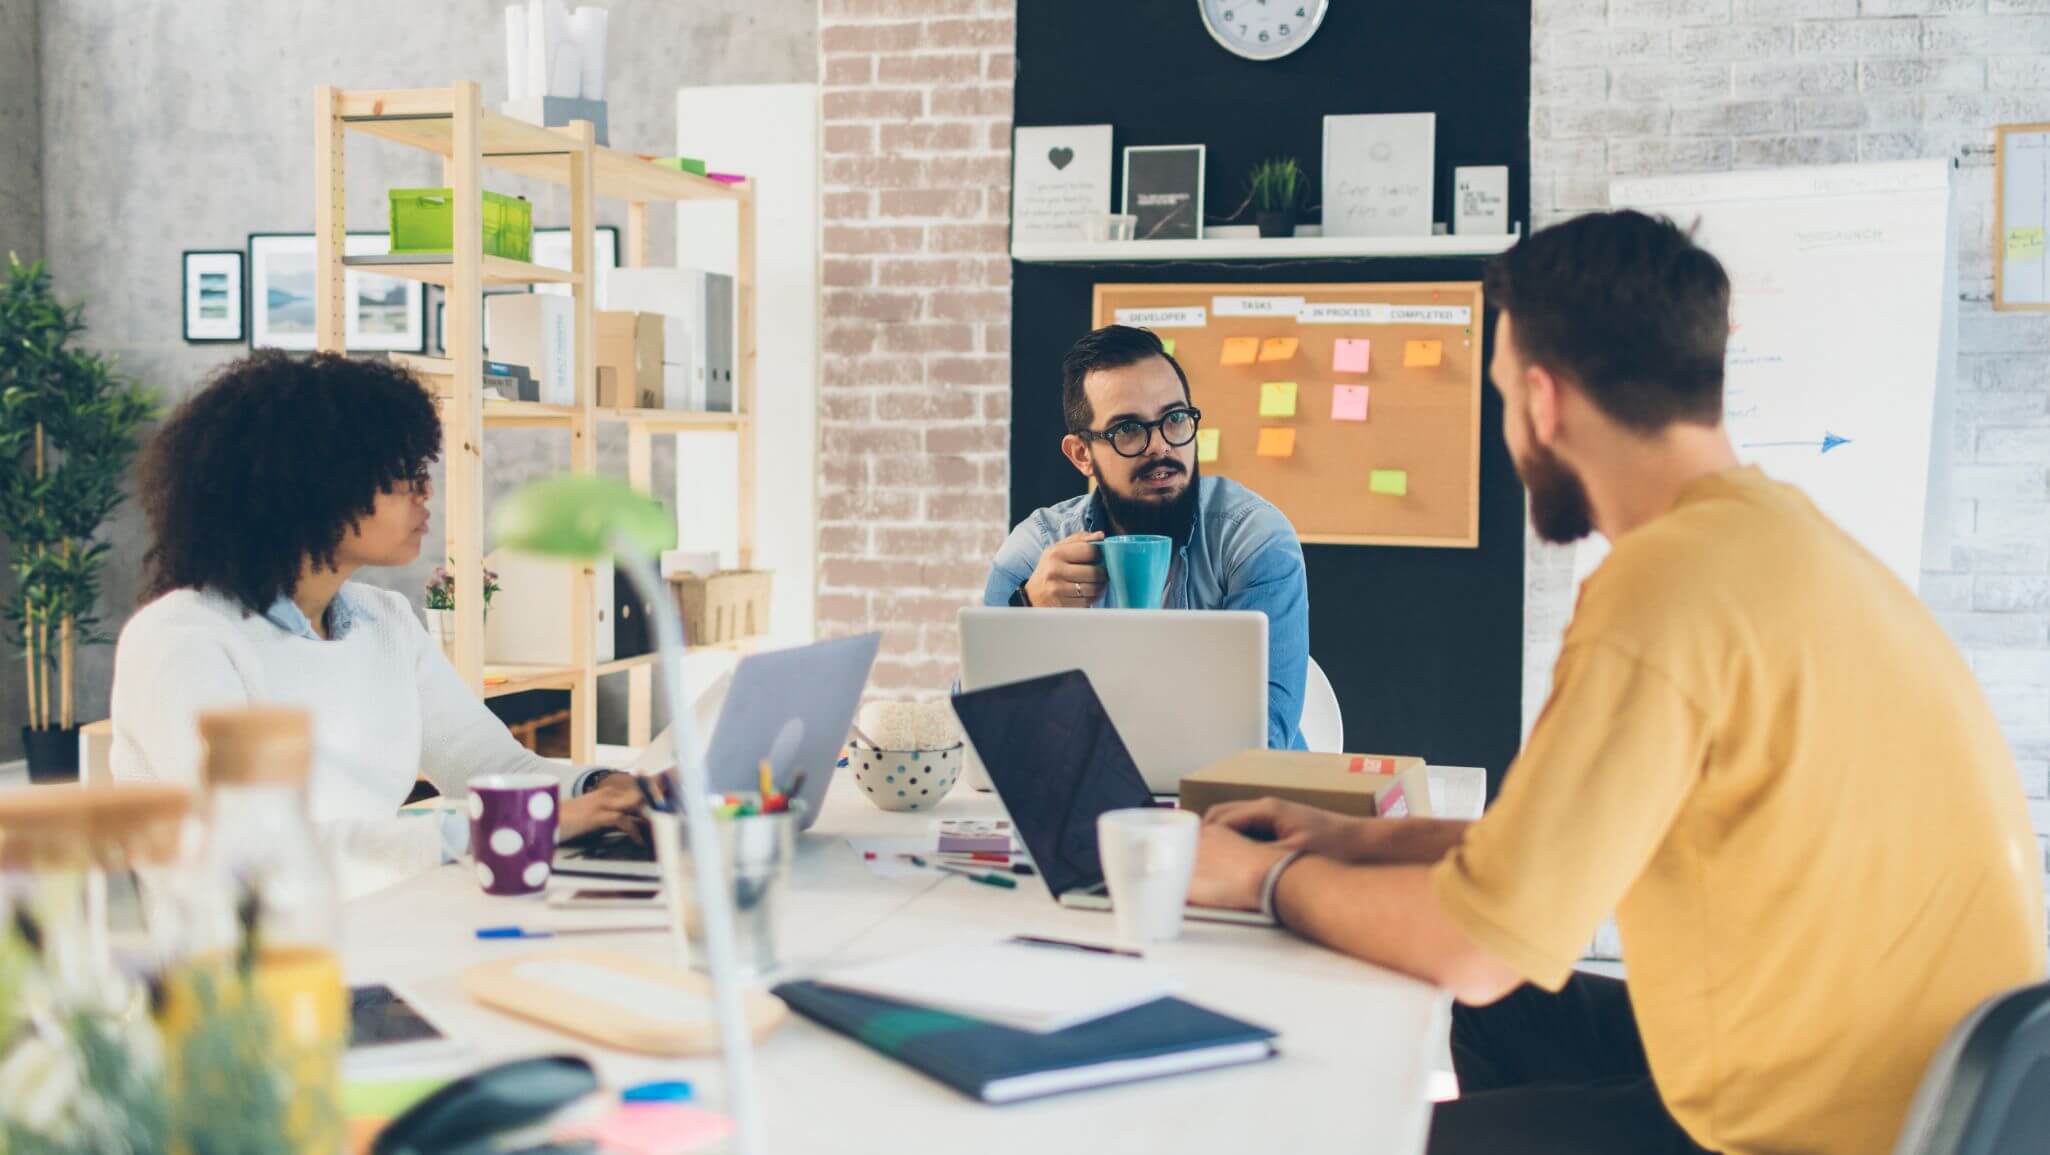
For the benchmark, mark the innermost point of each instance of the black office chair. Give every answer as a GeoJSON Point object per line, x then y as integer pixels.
{"type": "Point", "coordinates": [1987, 1089]}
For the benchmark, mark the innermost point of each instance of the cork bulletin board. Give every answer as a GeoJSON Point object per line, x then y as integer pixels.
{"type": "Point", "coordinates": [1356, 409]}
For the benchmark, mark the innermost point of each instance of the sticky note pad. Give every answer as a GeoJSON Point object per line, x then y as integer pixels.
{"type": "Point", "coordinates": [1278, 348]}
{"type": "Point", "coordinates": [2023, 244]}
{"type": "Point", "coordinates": [1206, 444]}
{"type": "Point", "coordinates": [1350, 356]}
{"type": "Point", "coordinates": [1277, 443]}
{"type": "Point", "coordinates": [1423, 354]}
{"type": "Point", "coordinates": [1392, 482]}
{"type": "Point", "coordinates": [652, 1129]}
{"type": "Point", "coordinates": [1277, 399]}
{"type": "Point", "coordinates": [1167, 345]}
{"type": "Point", "coordinates": [1348, 403]}
{"type": "Point", "coordinates": [1241, 350]}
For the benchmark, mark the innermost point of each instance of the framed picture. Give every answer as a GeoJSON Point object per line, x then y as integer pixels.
{"type": "Point", "coordinates": [213, 295]}
{"type": "Point", "coordinates": [551, 249]}
{"type": "Point", "coordinates": [1164, 190]}
{"type": "Point", "coordinates": [1060, 179]}
{"type": "Point", "coordinates": [2021, 217]}
{"type": "Point", "coordinates": [1379, 174]}
{"type": "Point", "coordinates": [384, 314]}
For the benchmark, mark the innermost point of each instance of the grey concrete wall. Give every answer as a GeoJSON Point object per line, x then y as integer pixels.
{"type": "Point", "coordinates": [187, 124]}
{"type": "Point", "coordinates": [21, 231]}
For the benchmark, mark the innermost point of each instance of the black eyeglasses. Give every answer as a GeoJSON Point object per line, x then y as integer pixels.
{"type": "Point", "coordinates": [1130, 438]}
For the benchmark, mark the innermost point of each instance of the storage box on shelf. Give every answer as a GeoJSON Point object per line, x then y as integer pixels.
{"type": "Point", "coordinates": [453, 124]}
{"type": "Point", "coordinates": [724, 607]}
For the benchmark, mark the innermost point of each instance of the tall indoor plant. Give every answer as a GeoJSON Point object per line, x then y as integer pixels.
{"type": "Point", "coordinates": [68, 431]}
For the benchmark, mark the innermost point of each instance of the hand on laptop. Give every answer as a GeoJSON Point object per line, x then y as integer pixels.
{"type": "Point", "coordinates": [1291, 826]}
{"type": "Point", "coordinates": [1068, 575]}
{"type": "Point", "coordinates": [613, 800]}
{"type": "Point", "coordinates": [1231, 868]}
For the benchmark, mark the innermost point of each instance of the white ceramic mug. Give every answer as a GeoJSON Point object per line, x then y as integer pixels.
{"type": "Point", "coordinates": [1149, 855]}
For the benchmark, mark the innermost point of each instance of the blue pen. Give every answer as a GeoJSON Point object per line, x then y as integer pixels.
{"type": "Point", "coordinates": [523, 932]}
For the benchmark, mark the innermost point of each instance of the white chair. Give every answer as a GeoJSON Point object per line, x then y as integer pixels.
{"type": "Point", "coordinates": [1323, 724]}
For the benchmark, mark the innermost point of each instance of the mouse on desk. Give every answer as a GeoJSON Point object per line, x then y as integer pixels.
{"type": "Point", "coordinates": [464, 1117]}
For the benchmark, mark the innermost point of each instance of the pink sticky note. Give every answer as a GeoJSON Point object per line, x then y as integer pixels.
{"type": "Point", "coordinates": [653, 1129]}
{"type": "Point", "coordinates": [1349, 356]}
{"type": "Point", "coordinates": [1348, 403]}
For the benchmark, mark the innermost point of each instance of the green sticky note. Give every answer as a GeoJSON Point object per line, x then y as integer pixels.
{"type": "Point", "coordinates": [1277, 399]}
{"type": "Point", "coordinates": [2025, 244]}
{"type": "Point", "coordinates": [1206, 445]}
{"type": "Point", "coordinates": [1391, 482]}
{"type": "Point", "coordinates": [1167, 345]}
{"type": "Point", "coordinates": [385, 1098]}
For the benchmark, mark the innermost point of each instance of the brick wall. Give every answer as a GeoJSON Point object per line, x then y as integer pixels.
{"type": "Point", "coordinates": [914, 397]}
{"type": "Point", "coordinates": [1627, 87]}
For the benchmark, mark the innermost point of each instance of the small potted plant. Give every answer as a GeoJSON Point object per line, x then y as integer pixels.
{"type": "Point", "coordinates": [1277, 187]}
{"type": "Point", "coordinates": [68, 430]}
{"type": "Point", "coordinates": [441, 603]}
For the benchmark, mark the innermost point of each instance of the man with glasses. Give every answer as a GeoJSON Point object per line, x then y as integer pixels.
{"type": "Point", "coordinates": [1132, 430]}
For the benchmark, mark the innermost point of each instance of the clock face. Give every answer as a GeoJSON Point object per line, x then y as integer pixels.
{"type": "Point", "coordinates": [1262, 29]}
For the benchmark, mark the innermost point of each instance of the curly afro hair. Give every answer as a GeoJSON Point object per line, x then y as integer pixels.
{"type": "Point", "coordinates": [272, 463]}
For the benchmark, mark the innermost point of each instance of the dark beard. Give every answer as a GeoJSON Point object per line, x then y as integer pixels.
{"type": "Point", "coordinates": [1559, 510]}
{"type": "Point", "coordinates": [1175, 518]}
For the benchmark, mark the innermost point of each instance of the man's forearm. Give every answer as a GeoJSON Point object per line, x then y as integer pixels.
{"type": "Point", "coordinates": [1399, 841]}
{"type": "Point", "coordinates": [1389, 916]}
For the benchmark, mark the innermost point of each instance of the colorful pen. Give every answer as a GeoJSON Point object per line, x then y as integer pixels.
{"type": "Point", "coordinates": [523, 932]}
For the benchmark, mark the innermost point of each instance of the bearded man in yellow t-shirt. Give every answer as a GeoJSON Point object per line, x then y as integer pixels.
{"type": "Point", "coordinates": [1761, 752]}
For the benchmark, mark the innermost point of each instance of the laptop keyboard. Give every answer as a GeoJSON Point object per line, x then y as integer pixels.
{"type": "Point", "coordinates": [608, 846]}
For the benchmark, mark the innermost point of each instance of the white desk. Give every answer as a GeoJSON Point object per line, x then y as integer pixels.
{"type": "Point", "coordinates": [1356, 1041]}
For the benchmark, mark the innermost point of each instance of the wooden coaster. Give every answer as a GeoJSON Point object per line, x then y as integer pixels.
{"type": "Point", "coordinates": [616, 1001]}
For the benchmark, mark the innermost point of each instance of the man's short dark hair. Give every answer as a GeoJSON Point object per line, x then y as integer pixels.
{"type": "Point", "coordinates": [1111, 347]}
{"type": "Point", "coordinates": [1628, 308]}
{"type": "Point", "coordinates": [273, 462]}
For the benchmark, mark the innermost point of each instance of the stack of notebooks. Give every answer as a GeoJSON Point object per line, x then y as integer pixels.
{"type": "Point", "coordinates": [1011, 1021]}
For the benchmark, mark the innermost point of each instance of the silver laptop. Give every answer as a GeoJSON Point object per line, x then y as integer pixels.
{"type": "Point", "coordinates": [790, 708]}
{"type": "Point", "coordinates": [1185, 688]}
{"type": "Point", "coordinates": [1058, 764]}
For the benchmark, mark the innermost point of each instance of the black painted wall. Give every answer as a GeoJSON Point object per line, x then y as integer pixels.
{"type": "Point", "coordinates": [1423, 645]}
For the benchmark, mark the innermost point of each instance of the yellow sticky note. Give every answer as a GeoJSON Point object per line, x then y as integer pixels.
{"type": "Point", "coordinates": [1277, 399]}
{"type": "Point", "coordinates": [1392, 482]}
{"type": "Point", "coordinates": [2022, 245]}
{"type": "Point", "coordinates": [1241, 350]}
{"type": "Point", "coordinates": [1278, 348]}
{"type": "Point", "coordinates": [1167, 345]}
{"type": "Point", "coordinates": [1423, 354]}
{"type": "Point", "coordinates": [1206, 444]}
{"type": "Point", "coordinates": [1277, 443]}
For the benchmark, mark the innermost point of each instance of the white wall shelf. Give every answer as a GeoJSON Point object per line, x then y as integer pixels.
{"type": "Point", "coordinates": [1259, 249]}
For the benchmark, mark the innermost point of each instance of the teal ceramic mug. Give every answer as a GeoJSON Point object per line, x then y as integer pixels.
{"type": "Point", "coordinates": [1137, 565]}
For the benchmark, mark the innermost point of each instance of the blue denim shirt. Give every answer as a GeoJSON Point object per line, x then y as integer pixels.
{"type": "Point", "coordinates": [286, 615]}
{"type": "Point", "coordinates": [1241, 555]}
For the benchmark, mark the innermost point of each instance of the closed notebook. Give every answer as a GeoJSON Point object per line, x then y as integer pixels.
{"type": "Point", "coordinates": [999, 1065]}
{"type": "Point", "coordinates": [1026, 987]}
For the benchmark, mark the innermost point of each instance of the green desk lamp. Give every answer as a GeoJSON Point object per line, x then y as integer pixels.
{"type": "Point", "coordinates": [581, 517]}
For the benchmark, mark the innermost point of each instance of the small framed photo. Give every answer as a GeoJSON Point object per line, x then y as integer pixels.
{"type": "Point", "coordinates": [387, 314]}
{"type": "Point", "coordinates": [1164, 190]}
{"type": "Point", "coordinates": [213, 296]}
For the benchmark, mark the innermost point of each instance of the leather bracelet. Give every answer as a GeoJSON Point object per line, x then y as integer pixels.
{"type": "Point", "coordinates": [1273, 881]}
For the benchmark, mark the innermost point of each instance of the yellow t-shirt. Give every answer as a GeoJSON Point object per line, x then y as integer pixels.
{"type": "Point", "coordinates": [1763, 753]}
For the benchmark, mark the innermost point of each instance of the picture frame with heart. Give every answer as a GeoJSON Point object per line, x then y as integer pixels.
{"type": "Point", "coordinates": [1060, 180]}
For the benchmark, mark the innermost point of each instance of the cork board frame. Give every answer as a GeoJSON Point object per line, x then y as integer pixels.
{"type": "Point", "coordinates": [1424, 421]}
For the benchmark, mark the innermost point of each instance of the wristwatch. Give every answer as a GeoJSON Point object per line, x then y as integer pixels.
{"type": "Point", "coordinates": [1019, 599]}
{"type": "Point", "coordinates": [1273, 880]}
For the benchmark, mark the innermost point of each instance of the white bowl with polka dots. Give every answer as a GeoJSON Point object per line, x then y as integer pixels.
{"type": "Point", "coordinates": [903, 779]}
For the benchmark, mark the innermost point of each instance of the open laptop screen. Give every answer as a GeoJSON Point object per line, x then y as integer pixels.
{"type": "Point", "coordinates": [1057, 762]}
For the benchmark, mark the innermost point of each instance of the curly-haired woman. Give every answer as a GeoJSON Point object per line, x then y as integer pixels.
{"type": "Point", "coordinates": [265, 492]}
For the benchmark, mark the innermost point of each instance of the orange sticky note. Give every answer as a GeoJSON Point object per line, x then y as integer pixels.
{"type": "Point", "coordinates": [1241, 350]}
{"type": "Point", "coordinates": [1206, 444]}
{"type": "Point", "coordinates": [1277, 442]}
{"type": "Point", "coordinates": [1423, 354]}
{"type": "Point", "coordinates": [1278, 348]}
{"type": "Point", "coordinates": [1348, 403]}
{"type": "Point", "coordinates": [1350, 356]}
{"type": "Point", "coordinates": [1277, 399]}
{"type": "Point", "coordinates": [1167, 345]}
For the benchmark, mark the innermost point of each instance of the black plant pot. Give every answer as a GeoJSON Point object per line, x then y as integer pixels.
{"type": "Point", "coordinates": [52, 754]}
{"type": "Point", "coordinates": [1276, 224]}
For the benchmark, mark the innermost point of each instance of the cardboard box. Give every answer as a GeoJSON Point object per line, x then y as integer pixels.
{"type": "Point", "coordinates": [630, 345]}
{"type": "Point", "coordinates": [724, 607]}
{"type": "Point", "coordinates": [537, 330]}
{"type": "Point", "coordinates": [1364, 785]}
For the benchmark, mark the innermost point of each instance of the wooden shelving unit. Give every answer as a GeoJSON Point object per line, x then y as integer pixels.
{"type": "Point", "coordinates": [453, 123]}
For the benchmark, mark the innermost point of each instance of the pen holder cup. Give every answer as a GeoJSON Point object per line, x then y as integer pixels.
{"type": "Point", "coordinates": [903, 779]}
{"type": "Point", "coordinates": [756, 852]}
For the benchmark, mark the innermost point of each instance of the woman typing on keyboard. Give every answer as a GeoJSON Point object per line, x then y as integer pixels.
{"type": "Point", "coordinates": [265, 493]}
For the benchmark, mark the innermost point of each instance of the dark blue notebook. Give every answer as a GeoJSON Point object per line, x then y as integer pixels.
{"type": "Point", "coordinates": [1001, 1065]}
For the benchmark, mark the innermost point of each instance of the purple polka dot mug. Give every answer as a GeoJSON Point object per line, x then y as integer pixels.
{"type": "Point", "coordinates": [512, 831]}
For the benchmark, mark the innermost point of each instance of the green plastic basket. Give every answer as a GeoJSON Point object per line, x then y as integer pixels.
{"type": "Point", "coordinates": [423, 221]}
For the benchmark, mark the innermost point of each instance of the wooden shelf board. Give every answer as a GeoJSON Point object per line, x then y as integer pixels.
{"type": "Point", "coordinates": [439, 269]}
{"type": "Point", "coordinates": [676, 420]}
{"type": "Point", "coordinates": [1259, 248]}
{"type": "Point", "coordinates": [515, 414]}
{"type": "Point", "coordinates": [519, 679]}
{"type": "Point", "coordinates": [623, 664]}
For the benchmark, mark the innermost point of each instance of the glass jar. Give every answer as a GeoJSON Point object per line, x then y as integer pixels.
{"type": "Point", "coordinates": [260, 928]}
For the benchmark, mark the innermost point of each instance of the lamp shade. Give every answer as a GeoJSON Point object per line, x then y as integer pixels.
{"type": "Point", "coordinates": [582, 516]}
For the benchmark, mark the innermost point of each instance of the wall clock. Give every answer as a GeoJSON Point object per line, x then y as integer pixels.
{"type": "Point", "coordinates": [1262, 29]}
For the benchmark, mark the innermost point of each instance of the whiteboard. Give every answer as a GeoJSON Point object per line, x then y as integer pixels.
{"type": "Point", "coordinates": [2022, 265]}
{"type": "Point", "coordinates": [1842, 319]}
